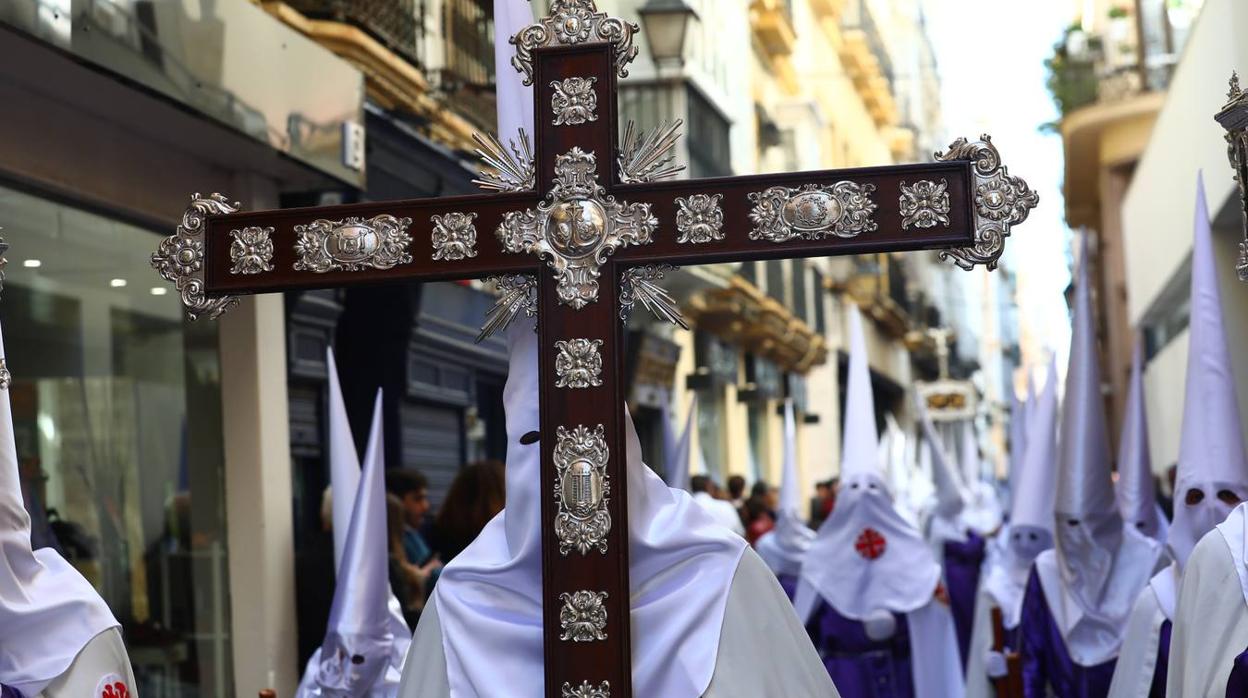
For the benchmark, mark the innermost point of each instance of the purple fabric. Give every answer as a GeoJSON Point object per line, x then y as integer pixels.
{"type": "Point", "coordinates": [1237, 684]}
{"type": "Point", "coordinates": [861, 667]}
{"type": "Point", "coordinates": [1158, 689]}
{"type": "Point", "coordinates": [788, 582]}
{"type": "Point", "coordinates": [1046, 663]}
{"type": "Point", "coordinates": [962, 563]}
{"type": "Point", "coordinates": [6, 692]}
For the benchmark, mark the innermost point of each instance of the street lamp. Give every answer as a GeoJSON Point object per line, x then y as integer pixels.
{"type": "Point", "coordinates": [666, 22]}
{"type": "Point", "coordinates": [1234, 118]}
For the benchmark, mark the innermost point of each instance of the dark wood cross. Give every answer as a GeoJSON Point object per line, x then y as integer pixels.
{"type": "Point", "coordinates": [578, 232]}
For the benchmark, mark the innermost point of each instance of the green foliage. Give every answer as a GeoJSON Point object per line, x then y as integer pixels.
{"type": "Point", "coordinates": [1072, 80]}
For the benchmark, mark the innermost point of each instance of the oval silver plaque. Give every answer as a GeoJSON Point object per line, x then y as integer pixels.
{"type": "Point", "coordinates": [352, 243]}
{"type": "Point", "coordinates": [581, 488]}
{"type": "Point", "coordinates": [812, 211]}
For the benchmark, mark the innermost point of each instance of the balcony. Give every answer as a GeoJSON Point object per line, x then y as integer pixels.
{"type": "Point", "coordinates": [394, 23]}
{"type": "Point", "coordinates": [867, 63]}
{"type": "Point", "coordinates": [743, 315]}
{"type": "Point", "coordinates": [773, 26]}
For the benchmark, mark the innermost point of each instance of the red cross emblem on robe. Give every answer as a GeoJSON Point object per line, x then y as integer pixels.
{"type": "Point", "coordinates": [870, 544]}
{"type": "Point", "coordinates": [114, 689]}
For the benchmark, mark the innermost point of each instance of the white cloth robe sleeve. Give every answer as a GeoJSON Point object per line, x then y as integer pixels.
{"type": "Point", "coordinates": [934, 660]}
{"type": "Point", "coordinates": [1137, 660]}
{"type": "Point", "coordinates": [764, 651]}
{"type": "Point", "coordinates": [978, 685]}
{"type": "Point", "coordinates": [103, 657]}
{"type": "Point", "coordinates": [1210, 622]}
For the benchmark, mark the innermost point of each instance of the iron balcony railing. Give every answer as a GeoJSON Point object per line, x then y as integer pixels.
{"type": "Point", "coordinates": [398, 24]}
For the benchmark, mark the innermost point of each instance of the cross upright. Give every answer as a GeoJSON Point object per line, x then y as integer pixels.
{"type": "Point", "coordinates": [578, 231]}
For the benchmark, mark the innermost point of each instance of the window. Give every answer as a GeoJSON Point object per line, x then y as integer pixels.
{"type": "Point", "coordinates": [116, 410]}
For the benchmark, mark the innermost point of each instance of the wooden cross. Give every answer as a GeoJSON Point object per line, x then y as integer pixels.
{"type": "Point", "coordinates": [579, 231]}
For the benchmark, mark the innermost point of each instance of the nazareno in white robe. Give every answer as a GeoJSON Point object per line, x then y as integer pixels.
{"type": "Point", "coordinates": [1211, 616]}
{"type": "Point", "coordinates": [763, 650]}
{"type": "Point", "coordinates": [1137, 660]}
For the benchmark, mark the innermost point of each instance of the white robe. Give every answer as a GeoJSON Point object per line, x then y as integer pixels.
{"type": "Point", "coordinates": [1137, 661]}
{"type": "Point", "coordinates": [764, 651]}
{"type": "Point", "coordinates": [978, 685]}
{"type": "Point", "coordinates": [1211, 618]}
{"type": "Point", "coordinates": [102, 661]}
{"type": "Point", "coordinates": [724, 513]}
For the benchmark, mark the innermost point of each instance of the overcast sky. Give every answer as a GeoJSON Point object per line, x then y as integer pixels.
{"type": "Point", "coordinates": [991, 55]}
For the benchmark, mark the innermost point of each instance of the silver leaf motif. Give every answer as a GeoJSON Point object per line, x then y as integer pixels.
{"type": "Point", "coordinates": [251, 251]}
{"type": "Point", "coordinates": [1001, 201]}
{"type": "Point", "coordinates": [575, 102]}
{"type": "Point", "coordinates": [577, 228]}
{"type": "Point", "coordinates": [924, 204]}
{"type": "Point", "coordinates": [454, 236]}
{"type": "Point", "coordinates": [572, 22]}
{"type": "Point", "coordinates": [511, 169]}
{"type": "Point", "coordinates": [813, 212]}
{"type": "Point", "coordinates": [353, 244]}
{"type": "Point", "coordinates": [517, 295]}
{"type": "Point", "coordinates": [639, 285]}
{"type": "Point", "coordinates": [583, 617]}
{"type": "Point", "coordinates": [1241, 264]}
{"type": "Point", "coordinates": [579, 363]}
{"type": "Point", "coordinates": [582, 489]}
{"type": "Point", "coordinates": [699, 219]}
{"type": "Point", "coordinates": [4, 248]}
{"type": "Point", "coordinates": [180, 258]}
{"type": "Point", "coordinates": [587, 690]}
{"type": "Point", "coordinates": [6, 378]}
{"type": "Point", "coordinates": [648, 156]}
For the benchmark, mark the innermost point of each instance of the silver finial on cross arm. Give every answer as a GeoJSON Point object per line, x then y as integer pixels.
{"type": "Point", "coordinates": [573, 22]}
{"type": "Point", "coordinates": [1001, 202]}
{"type": "Point", "coordinates": [180, 257]}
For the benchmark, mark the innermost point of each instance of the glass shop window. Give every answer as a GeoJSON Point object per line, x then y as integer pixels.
{"type": "Point", "coordinates": [106, 379]}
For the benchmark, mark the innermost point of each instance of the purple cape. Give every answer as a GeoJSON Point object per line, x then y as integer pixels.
{"type": "Point", "coordinates": [962, 565]}
{"type": "Point", "coordinates": [1046, 662]}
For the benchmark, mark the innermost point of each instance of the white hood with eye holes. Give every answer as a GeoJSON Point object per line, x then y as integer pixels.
{"type": "Point", "coordinates": [1212, 457]}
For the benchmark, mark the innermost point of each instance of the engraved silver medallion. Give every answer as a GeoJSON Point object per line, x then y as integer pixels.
{"type": "Point", "coordinates": [583, 617]}
{"type": "Point", "coordinates": [251, 251]}
{"type": "Point", "coordinates": [579, 363]}
{"type": "Point", "coordinates": [699, 219]}
{"type": "Point", "coordinates": [454, 236]}
{"type": "Point", "coordinates": [813, 212]}
{"type": "Point", "coordinates": [924, 204]}
{"type": "Point", "coordinates": [353, 244]}
{"type": "Point", "coordinates": [574, 102]}
{"type": "Point", "coordinates": [582, 489]}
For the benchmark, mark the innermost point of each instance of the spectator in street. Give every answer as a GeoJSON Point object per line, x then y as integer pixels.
{"type": "Point", "coordinates": [407, 581]}
{"type": "Point", "coordinates": [412, 490]}
{"type": "Point", "coordinates": [758, 518]}
{"type": "Point", "coordinates": [736, 491]}
{"type": "Point", "coordinates": [721, 510]}
{"type": "Point", "coordinates": [478, 493]}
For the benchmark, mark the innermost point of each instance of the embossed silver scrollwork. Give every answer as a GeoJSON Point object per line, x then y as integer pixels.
{"type": "Point", "coordinates": [574, 101]}
{"type": "Point", "coordinates": [251, 251]}
{"type": "Point", "coordinates": [579, 364]}
{"type": "Point", "coordinates": [924, 204]}
{"type": "Point", "coordinates": [353, 244]}
{"type": "Point", "coordinates": [577, 228]}
{"type": "Point", "coordinates": [180, 258]}
{"type": "Point", "coordinates": [640, 285]}
{"type": "Point", "coordinates": [813, 212]}
{"type": "Point", "coordinates": [582, 489]}
{"type": "Point", "coordinates": [587, 690]}
{"type": "Point", "coordinates": [454, 236]}
{"type": "Point", "coordinates": [699, 219]}
{"type": "Point", "coordinates": [1001, 202]}
{"type": "Point", "coordinates": [583, 617]}
{"type": "Point", "coordinates": [572, 22]}
{"type": "Point", "coordinates": [6, 378]}
{"type": "Point", "coordinates": [4, 248]}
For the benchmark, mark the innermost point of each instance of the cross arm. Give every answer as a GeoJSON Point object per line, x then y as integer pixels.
{"type": "Point", "coordinates": [963, 204]}
{"type": "Point", "coordinates": [219, 252]}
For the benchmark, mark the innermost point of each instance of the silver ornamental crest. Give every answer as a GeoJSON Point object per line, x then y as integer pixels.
{"type": "Point", "coordinates": [583, 617]}
{"type": "Point", "coordinates": [454, 236]}
{"type": "Point", "coordinates": [574, 101]}
{"type": "Point", "coordinates": [251, 251]}
{"type": "Point", "coordinates": [582, 489]}
{"type": "Point", "coordinates": [1001, 201]}
{"type": "Point", "coordinates": [353, 244]}
{"type": "Point", "coordinates": [577, 228]}
{"type": "Point", "coordinates": [814, 212]}
{"type": "Point", "coordinates": [579, 363]}
{"type": "Point", "coordinates": [587, 690]}
{"type": "Point", "coordinates": [924, 204]}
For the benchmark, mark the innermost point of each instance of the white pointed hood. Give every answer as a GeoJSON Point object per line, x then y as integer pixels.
{"type": "Point", "coordinates": [676, 446]}
{"type": "Point", "coordinates": [1211, 444]}
{"type": "Point", "coordinates": [983, 513]}
{"type": "Point", "coordinates": [1101, 569]}
{"type": "Point", "coordinates": [946, 522]}
{"type": "Point", "coordinates": [1031, 511]}
{"type": "Point", "coordinates": [681, 564]}
{"type": "Point", "coordinates": [344, 461]}
{"type": "Point", "coordinates": [866, 558]}
{"type": "Point", "coordinates": [48, 611]}
{"type": "Point", "coordinates": [784, 546]}
{"type": "Point", "coordinates": [1137, 496]}
{"type": "Point", "coordinates": [1018, 438]}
